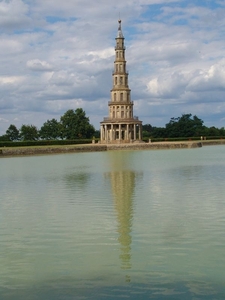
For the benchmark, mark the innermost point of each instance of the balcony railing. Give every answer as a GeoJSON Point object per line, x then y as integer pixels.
{"type": "Point", "coordinates": [120, 72]}
{"type": "Point", "coordinates": [120, 48]}
{"type": "Point", "coordinates": [120, 103]}
{"type": "Point", "coordinates": [107, 119]}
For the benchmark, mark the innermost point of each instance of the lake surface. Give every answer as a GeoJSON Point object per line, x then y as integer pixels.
{"type": "Point", "coordinates": [113, 225]}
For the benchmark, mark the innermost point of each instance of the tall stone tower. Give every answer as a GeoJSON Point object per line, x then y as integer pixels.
{"type": "Point", "coordinates": [121, 126]}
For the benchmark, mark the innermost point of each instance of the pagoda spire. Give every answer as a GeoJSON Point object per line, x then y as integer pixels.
{"type": "Point", "coordinates": [120, 33]}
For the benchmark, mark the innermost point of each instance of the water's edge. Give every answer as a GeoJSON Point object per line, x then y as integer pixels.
{"type": "Point", "coordinates": [14, 151]}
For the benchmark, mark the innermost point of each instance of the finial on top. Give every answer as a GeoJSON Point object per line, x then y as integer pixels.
{"type": "Point", "coordinates": [120, 34]}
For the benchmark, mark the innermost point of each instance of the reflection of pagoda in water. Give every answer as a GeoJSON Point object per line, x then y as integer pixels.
{"type": "Point", "coordinates": [123, 184]}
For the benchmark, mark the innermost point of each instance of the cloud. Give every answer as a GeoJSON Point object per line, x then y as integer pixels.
{"type": "Point", "coordinates": [11, 80]}
{"type": "Point", "coordinates": [212, 79]}
{"type": "Point", "coordinates": [3, 120]}
{"type": "Point", "coordinates": [179, 84]}
{"type": "Point", "coordinates": [168, 86]}
{"type": "Point", "coordinates": [10, 46]}
{"type": "Point", "coordinates": [38, 65]}
{"type": "Point", "coordinates": [13, 15]}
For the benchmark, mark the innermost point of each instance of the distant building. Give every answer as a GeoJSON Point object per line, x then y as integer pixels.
{"type": "Point", "coordinates": [121, 126]}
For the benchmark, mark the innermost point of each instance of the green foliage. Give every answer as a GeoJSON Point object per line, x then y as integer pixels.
{"type": "Point", "coordinates": [13, 133]}
{"type": "Point", "coordinates": [153, 132]}
{"type": "Point", "coordinates": [159, 132]}
{"type": "Point", "coordinates": [72, 125]}
{"type": "Point", "coordinates": [147, 130]}
{"type": "Point", "coordinates": [222, 131]}
{"type": "Point", "coordinates": [75, 125]}
{"type": "Point", "coordinates": [28, 133]}
{"type": "Point", "coordinates": [213, 131]}
{"type": "Point", "coordinates": [184, 126]}
{"type": "Point", "coordinates": [50, 130]}
{"type": "Point", "coordinates": [97, 134]}
{"type": "Point", "coordinates": [4, 138]}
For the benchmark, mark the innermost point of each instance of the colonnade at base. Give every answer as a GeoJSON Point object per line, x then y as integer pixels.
{"type": "Point", "coordinates": [120, 132]}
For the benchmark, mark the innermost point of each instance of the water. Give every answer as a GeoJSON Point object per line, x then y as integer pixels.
{"type": "Point", "coordinates": [113, 225]}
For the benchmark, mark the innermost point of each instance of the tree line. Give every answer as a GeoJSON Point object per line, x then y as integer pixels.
{"type": "Point", "coordinates": [74, 124]}
{"type": "Point", "coordinates": [184, 126]}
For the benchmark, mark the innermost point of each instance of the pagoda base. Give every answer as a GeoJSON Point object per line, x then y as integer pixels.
{"type": "Point", "coordinates": [121, 132]}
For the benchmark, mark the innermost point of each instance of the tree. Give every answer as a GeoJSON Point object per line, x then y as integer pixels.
{"type": "Point", "coordinates": [184, 126]}
{"type": "Point", "coordinates": [75, 125]}
{"type": "Point", "coordinates": [147, 130]}
{"type": "Point", "coordinates": [222, 131]}
{"type": "Point", "coordinates": [13, 133]}
{"type": "Point", "coordinates": [97, 134]}
{"type": "Point", "coordinates": [4, 138]}
{"type": "Point", "coordinates": [28, 133]}
{"type": "Point", "coordinates": [50, 130]}
{"type": "Point", "coordinates": [213, 131]}
{"type": "Point", "coordinates": [158, 132]}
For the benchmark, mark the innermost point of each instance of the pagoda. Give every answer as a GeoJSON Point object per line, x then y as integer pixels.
{"type": "Point", "coordinates": [121, 126]}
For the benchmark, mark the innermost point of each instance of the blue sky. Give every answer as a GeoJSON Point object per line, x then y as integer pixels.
{"type": "Point", "coordinates": [57, 57]}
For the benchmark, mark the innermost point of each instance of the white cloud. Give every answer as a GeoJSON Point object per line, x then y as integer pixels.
{"type": "Point", "coordinates": [196, 87]}
{"type": "Point", "coordinates": [11, 79]}
{"type": "Point", "coordinates": [10, 46]}
{"type": "Point", "coordinates": [13, 14]}
{"type": "Point", "coordinates": [168, 85]}
{"type": "Point", "coordinates": [63, 78]}
{"type": "Point", "coordinates": [212, 79]}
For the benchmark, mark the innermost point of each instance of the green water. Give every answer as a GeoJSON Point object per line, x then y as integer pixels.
{"type": "Point", "coordinates": [113, 225]}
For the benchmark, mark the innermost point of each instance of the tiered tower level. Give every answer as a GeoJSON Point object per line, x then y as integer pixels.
{"type": "Point", "coordinates": [121, 126]}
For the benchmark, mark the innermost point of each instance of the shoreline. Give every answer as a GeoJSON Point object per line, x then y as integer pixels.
{"type": "Point", "coordinates": [42, 150]}
{"type": "Point", "coordinates": [37, 150]}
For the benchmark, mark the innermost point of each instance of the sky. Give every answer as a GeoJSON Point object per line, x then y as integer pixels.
{"type": "Point", "coordinates": [58, 55]}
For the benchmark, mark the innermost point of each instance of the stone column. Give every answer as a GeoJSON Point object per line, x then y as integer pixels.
{"type": "Point", "coordinates": [127, 137]}
{"type": "Point", "coordinates": [101, 132]}
{"type": "Point", "coordinates": [120, 132]}
{"type": "Point", "coordinates": [139, 133]}
{"type": "Point", "coordinates": [111, 132]}
{"type": "Point", "coordinates": [106, 134]}
{"type": "Point", "coordinates": [135, 135]}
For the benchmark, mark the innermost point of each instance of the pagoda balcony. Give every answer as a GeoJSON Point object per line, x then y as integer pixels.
{"type": "Point", "coordinates": [120, 72]}
{"type": "Point", "coordinates": [120, 48]}
{"type": "Point", "coordinates": [120, 103]}
{"type": "Point", "coordinates": [107, 119]}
